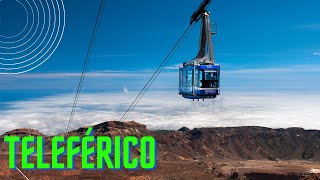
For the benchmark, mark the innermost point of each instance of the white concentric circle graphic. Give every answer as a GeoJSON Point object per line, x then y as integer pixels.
{"type": "Point", "coordinates": [31, 31]}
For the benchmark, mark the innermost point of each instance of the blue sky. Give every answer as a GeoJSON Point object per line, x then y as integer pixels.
{"type": "Point", "coordinates": [138, 35]}
{"type": "Point", "coordinates": [251, 34]}
{"type": "Point", "coordinates": [263, 47]}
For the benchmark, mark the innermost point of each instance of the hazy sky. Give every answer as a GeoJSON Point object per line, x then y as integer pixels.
{"type": "Point", "coordinates": [269, 52]}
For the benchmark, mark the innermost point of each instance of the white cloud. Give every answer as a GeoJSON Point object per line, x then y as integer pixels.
{"type": "Point", "coordinates": [316, 53]}
{"type": "Point", "coordinates": [289, 69]}
{"type": "Point", "coordinates": [125, 90]}
{"type": "Point", "coordinates": [111, 74]}
{"type": "Point", "coordinates": [149, 72]}
{"type": "Point", "coordinates": [258, 70]}
{"type": "Point", "coordinates": [301, 77]}
{"type": "Point", "coordinates": [285, 69]}
{"type": "Point", "coordinates": [165, 111]}
{"type": "Point", "coordinates": [173, 67]}
{"type": "Point", "coordinates": [94, 74]}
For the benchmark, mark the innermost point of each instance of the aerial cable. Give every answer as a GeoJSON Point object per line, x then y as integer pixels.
{"type": "Point", "coordinates": [86, 62]}
{"type": "Point", "coordinates": [24, 176]}
{"type": "Point", "coordinates": [85, 67]}
{"type": "Point", "coordinates": [156, 73]}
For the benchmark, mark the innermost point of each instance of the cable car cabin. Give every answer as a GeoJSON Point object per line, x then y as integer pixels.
{"type": "Point", "coordinates": [199, 78]}
{"type": "Point", "coordinates": [199, 81]}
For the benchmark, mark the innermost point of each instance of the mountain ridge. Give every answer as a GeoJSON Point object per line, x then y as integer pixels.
{"type": "Point", "coordinates": [212, 152]}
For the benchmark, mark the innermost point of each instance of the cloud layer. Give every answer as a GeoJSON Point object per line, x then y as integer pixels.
{"type": "Point", "coordinates": [50, 115]}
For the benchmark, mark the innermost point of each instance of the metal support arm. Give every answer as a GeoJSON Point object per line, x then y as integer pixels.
{"type": "Point", "coordinates": [205, 53]}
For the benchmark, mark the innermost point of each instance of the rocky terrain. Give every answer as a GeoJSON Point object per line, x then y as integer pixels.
{"type": "Point", "coordinates": [201, 153]}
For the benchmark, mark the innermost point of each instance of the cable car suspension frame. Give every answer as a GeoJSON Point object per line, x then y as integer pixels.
{"type": "Point", "coordinates": [199, 78]}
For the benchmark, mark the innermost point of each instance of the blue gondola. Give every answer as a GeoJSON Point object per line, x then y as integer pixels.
{"type": "Point", "coordinates": [200, 77]}
{"type": "Point", "coordinates": [199, 81]}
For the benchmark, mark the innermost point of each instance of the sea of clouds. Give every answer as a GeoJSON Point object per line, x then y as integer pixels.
{"type": "Point", "coordinates": [165, 110]}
